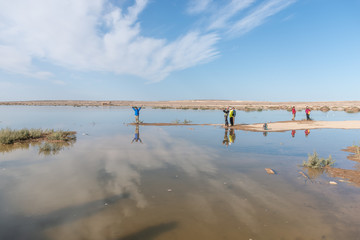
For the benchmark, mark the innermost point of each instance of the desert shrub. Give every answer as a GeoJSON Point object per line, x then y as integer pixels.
{"type": "Point", "coordinates": [352, 110]}
{"type": "Point", "coordinates": [61, 135]}
{"type": "Point", "coordinates": [315, 162]}
{"type": "Point", "coordinates": [324, 109]}
{"type": "Point", "coordinates": [8, 136]}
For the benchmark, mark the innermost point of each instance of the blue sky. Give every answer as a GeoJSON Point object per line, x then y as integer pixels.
{"type": "Point", "coordinates": [262, 50]}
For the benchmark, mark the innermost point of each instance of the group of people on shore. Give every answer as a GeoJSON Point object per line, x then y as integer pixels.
{"type": "Point", "coordinates": [231, 113]}
{"type": "Point", "coordinates": [307, 112]}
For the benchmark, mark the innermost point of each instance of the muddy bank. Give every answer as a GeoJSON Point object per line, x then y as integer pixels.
{"type": "Point", "coordinates": [348, 106]}
{"type": "Point", "coordinates": [350, 176]}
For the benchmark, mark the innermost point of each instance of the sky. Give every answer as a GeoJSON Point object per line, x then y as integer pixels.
{"type": "Point", "coordinates": [251, 50]}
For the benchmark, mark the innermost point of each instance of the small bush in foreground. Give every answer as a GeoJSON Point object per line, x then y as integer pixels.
{"type": "Point", "coordinates": [315, 162]}
{"type": "Point", "coordinates": [9, 136]}
{"type": "Point", "coordinates": [61, 135]}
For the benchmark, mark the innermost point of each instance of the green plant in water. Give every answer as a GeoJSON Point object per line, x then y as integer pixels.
{"type": "Point", "coordinates": [8, 136]}
{"type": "Point", "coordinates": [357, 148]}
{"type": "Point", "coordinates": [61, 136]}
{"type": "Point", "coordinates": [315, 162]}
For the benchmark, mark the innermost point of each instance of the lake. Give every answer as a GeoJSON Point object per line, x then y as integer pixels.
{"type": "Point", "coordinates": [119, 181]}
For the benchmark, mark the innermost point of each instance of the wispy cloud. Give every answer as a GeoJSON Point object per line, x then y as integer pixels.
{"type": "Point", "coordinates": [198, 6]}
{"type": "Point", "coordinates": [99, 36]}
{"type": "Point", "coordinates": [222, 16]}
{"type": "Point", "coordinates": [258, 16]}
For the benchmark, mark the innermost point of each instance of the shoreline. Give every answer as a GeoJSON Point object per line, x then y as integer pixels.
{"type": "Point", "coordinates": [281, 126]}
{"type": "Point", "coordinates": [347, 106]}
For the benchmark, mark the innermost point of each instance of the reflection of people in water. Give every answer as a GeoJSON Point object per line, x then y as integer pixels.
{"type": "Point", "coordinates": [137, 135]}
{"type": "Point", "coordinates": [293, 133]}
{"type": "Point", "coordinates": [226, 138]}
{"type": "Point", "coordinates": [265, 134]}
{"type": "Point", "coordinates": [307, 132]}
{"type": "Point", "coordinates": [232, 136]}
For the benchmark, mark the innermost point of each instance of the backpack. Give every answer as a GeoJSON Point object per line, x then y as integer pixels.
{"type": "Point", "coordinates": [234, 113]}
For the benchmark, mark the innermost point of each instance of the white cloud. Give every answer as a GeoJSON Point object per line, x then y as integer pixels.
{"type": "Point", "coordinates": [66, 33]}
{"type": "Point", "coordinates": [222, 15]}
{"type": "Point", "coordinates": [99, 36]}
{"type": "Point", "coordinates": [258, 16]}
{"type": "Point", "coordinates": [198, 6]}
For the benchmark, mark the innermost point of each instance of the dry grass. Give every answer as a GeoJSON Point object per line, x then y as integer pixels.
{"type": "Point", "coordinates": [9, 136]}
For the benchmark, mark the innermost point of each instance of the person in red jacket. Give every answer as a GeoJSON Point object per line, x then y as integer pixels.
{"type": "Point", "coordinates": [293, 112]}
{"type": "Point", "coordinates": [307, 111]}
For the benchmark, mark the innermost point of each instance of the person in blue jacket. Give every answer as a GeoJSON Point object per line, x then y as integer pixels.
{"type": "Point", "coordinates": [137, 113]}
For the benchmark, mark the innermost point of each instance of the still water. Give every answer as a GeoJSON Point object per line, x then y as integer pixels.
{"type": "Point", "coordinates": [122, 182]}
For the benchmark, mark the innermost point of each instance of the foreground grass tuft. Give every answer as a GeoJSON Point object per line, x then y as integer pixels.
{"type": "Point", "coordinates": [315, 162]}
{"type": "Point", "coordinates": [9, 136]}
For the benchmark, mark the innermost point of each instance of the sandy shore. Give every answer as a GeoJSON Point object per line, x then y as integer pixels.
{"type": "Point", "coordinates": [349, 106]}
{"type": "Point", "coordinates": [276, 126]}
{"type": "Point", "coordinates": [299, 125]}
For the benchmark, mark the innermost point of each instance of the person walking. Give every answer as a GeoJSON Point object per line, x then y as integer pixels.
{"type": "Point", "coordinates": [293, 110]}
{"type": "Point", "coordinates": [226, 114]}
{"type": "Point", "coordinates": [232, 115]}
{"type": "Point", "coordinates": [137, 113]}
{"type": "Point", "coordinates": [307, 111]}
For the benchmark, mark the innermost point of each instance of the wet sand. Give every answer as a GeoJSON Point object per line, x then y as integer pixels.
{"type": "Point", "coordinates": [276, 126]}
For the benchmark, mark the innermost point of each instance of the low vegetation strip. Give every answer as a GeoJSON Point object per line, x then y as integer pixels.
{"type": "Point", "coordinates": [9, 136]}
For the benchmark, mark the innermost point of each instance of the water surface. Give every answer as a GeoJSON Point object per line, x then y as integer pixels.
{"type": "Point", "coordinates": [119, 181]}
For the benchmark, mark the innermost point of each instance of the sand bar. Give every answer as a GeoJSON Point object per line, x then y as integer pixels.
{"type": "Point", "coordinates": [275, 126]}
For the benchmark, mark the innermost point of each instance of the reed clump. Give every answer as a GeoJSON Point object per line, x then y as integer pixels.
{"type": "Point", "coordinates": [9, 136]}
{"type": "Point", "coordinates": [60, 135]}
{"type": "Point", "coordinates": [318, 163]}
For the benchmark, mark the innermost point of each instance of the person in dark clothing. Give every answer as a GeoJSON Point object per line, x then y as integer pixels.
{"type": "Point", "coordinates": [137, 113]}
{"type": "Point", "coordinates": [226, 114]}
